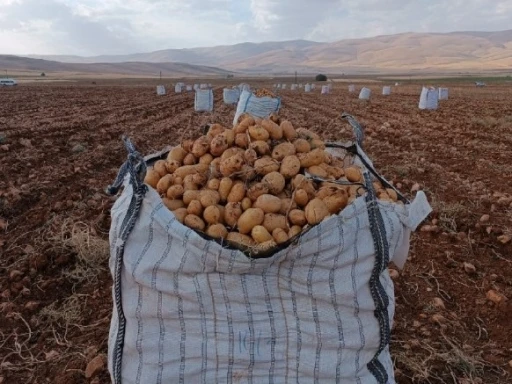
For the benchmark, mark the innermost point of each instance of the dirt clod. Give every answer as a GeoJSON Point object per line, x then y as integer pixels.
{"type": "Point", "coordinates": [95, 366]}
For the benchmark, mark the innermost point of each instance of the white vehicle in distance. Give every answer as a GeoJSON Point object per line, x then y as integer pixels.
{"type": "Point", "coordinates": [8, 82]}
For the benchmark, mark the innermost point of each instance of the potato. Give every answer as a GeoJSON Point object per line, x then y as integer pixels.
{"type": "Point", "coordinates": [244, 125]}
{"type": "Point", "coordinates": [260, 234]}
{"type": "Point", "coordinates": [231, 152]}
{"type": "Point", "coordinates": [190, 186]}
{"type": "Point", "coordinates": [214, 168]}
{"type": "Point", "coordinates": [242, 140]}
{"type": "Point", "coordinates": [209, 198]}
{"type": "Point", "coordinates": [318, 171]}
{"type": "Point", "coordinates": [225, 187]}
{"type": "Point", "coordinates": [190, 169]}
{"type": "Point", "coordinates": [229, 134]}
{"type": "Point", "coordinates": [258, 133]}
{"type": "Point", "coordinates": [353, 174]}
{"type": "Point", "coordinates": [194, 222]}
{"type": "Point", "coordinates": [301, 197]}
{"type": "Point", "coordinates": [300, 182]}
{"type": "Point", "coordinates": [282, 150]}
{"type": "Point", "coordinates": [214, 130]}
{"type": "Point", "coordinates": [317, 143]}
{"type": "Point", "coordinates": [190, 195]}
{"type": "Point", "coordinates": [280, 236]}
{"type": "Point", "coordinates": [180, 214]}
{"type": "Point", "coordinates": [315, 157]}
{"type": "Point", "coordinates": [290, 166]}
{"type": "Point", "coordinates": [265, 246]}
{"type": "Point", "coordinates": [217, 231]}
{"type": "Point", "coordinates": [160, 168]}
{"type": "Point", "coordinates": [301, 146]}
{"type": "Point", "coordinates": [178, 154]}
{"type": "Point", "coordinates": [268, 203]}
{"type": "Point", "coordinates": [189, 179]}
{"type": "Point", "coordinates": [213, 184]}
{"type": "Point", "coordinates": [336, 202]}
{"type": "Point", "coordinates": [222, 210]}
{"type": "Point", "coordinates": [287, 204]}
{"type": "Point", "coordinates": [218, 145]}
{"type": "Point", "coordinates": [211, 214]}
{"type": "Point", "coordinates": [164, 184]}
{"type": "Point", "coordinates": [316, 211]}
{"type": "Point", "coordinates": [201, 146]}
{"type": "Point", "coordinates": [249, 219]}
{"type": "Point", "coordinates": [297, 217]}
{"type": "Point", "coordinates": [323, 192]}
{"type": "Point", "coordinates": [275, 182]}
{"type": "Point", "coordinates": [241, 239]}
{"type": "Point", "coordinates": [232, 213]}
{"type": "Point", "coordinates": [172, 166]}
{"type": "Point", "coordinates": [294, 231]}
{"type": "Point", "coordinates": [273, 221]}
{"type": "Point", "coordinates": [334, 172]}
{"type": "Point", "coordinates": [195, 208]}
{"type": "Point", "coordinates": [274, 130]}
{"type": "Point", "coordinates": [250, 156]}
{"type": "Point", "coordinates": [355, 190]}
{"type": "Point", "coordinates": [231, 165]}
{"type": "Point", "coordinates": [199, 179]}
{"type": "Point", "coordinates": [237, 192]}
{"type": "Point", "coordinates": [175, 192]}
{"type": "Point", "coordinates": [265, 165]}
{"type": "Point", "coordinates": [275, 117]}
{"type": "Point", "coordinates": [392, 194]}
{"type": "Point", "coordinates": [173, 205]}
{"type": "Point", "coordinates": [246, 203]}
{"type": "Point", "coordinates": [178, 181]}
{"type": "Point", "coordinates": [256, 191]}
{"type": "Point", "coordinates": [261, 147]}
{"type": "Point", "coordinates": [307, 134]}
{"type": "Point", "coordinates": [288, 131]}
{"type": "Point", "coordinates": [152, 178]}
{"type": "Point", "coordinates": [187, 145]}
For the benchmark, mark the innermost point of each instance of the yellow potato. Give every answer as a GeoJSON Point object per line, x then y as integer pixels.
{"type": "Point", "coordinates": [237, 192]}
{"type": "Point", "coordinates": [217, 231]}
{"type": "Point", "coordinates": [190, 159]}
{"type": "Point", "coordinates": [152, 178]}
{"type": "Point", "coordinates": [260, 234]}
{"type": "Point", "coordinates": [307, 134]}
{"type": "Point", "coordinates": [261, 147]}
{"type": "Point", "coordinates": [244, 125]}
{"type": "Point", "coordinates": [213, 184]}
{"type": "Point", "coordinates": [247, 173]}
{"type": "Point", "coordinates": [215, 130]}
{"type": "Point", "coordinates": [177, 154]}
{"type": "Point", "coordinates": [268, 203]}
{"type": "Point", "coordinates": [258, 133]}
{"type": "Point", "coordinates": [302, 146]}
{"type": "Point", "coordinates": [231, 152]}
{"type": "Point", "coordinates": [232, 213]}
{"type": "Point", "coordinates": [318, 171]}
{"type": "Point", "coordinates": [212, 214]}
{"type": "Point", "coordinates": [232, 165]}
{"type": "Point", "coordinates": [273, 221]}
{"type": "Point", "coordinates": [160, 167]}
{"type": "Point", "coordinates": [337, 201]}
{"type": "Point", "coordinates": [316, 211]}
{"type": "Point", "coordinates": [229, 134]}
{"type": "Point", "coordinates": [173, 205]}
{"type": "Point", "coordinates": [392, 194]}
{"type": "Point", "coordinates": [280, 236]}
{"type": "Point", "coordinates": [315, 157]}
{"type": "Point", "coordinates": [218, 145]}
{"type": "Point", "coordinates": [275, 182]}
{"type": "Point", "coordinates": [250, 156]}
{"type": "Point", "coordinates": [180, 214]}
{"type": "Point", "coordinates": [175, 192]}
{"type": "Point", "coordinates": [199, 178]}
{"type": "Point", "coordinates": [287, 204]}
{"type": "Point", "coordinates": [164, 184]}
{"type": "Point", "coordinates": [353, 174]}
{"type": "Point", "coordinates": [190, 169]}
{"type": "Point", "coordinates": [242, 140]}
{"type": "Point", "coordinates": [194, 222]}
{"type": "Point", "coordinates": [241, 239]}
{"type": "Point", "coordinates": [297, 217]}
{"type": "Point", "coordinates": [246, 203]}
{"type": "Point", "coordinates": [282, 150]}
{"type": "Point", "coordinates": [301, 197]}
{"type": "Point", "coordinates": [195, 208]}
{"type": "Point", "coordinates": [288, 131]}
{"type": "Point", "coordinates": [266, 165]}
{"type": "Point", "coordinates": [249, 219]}
{"type": "Point", "coordinates": [317, 143]}
{"type": "Point", "coordinates": [225, 187]}
{"type": "Point", "coordinates": [274, 130]}
{"type": "Point", "coordinates": [187, 145]}
{"type": "Point", "coordinates": [290, 166]}
{"type": "Point", "coordinates": [294, 231]}
{"type": "Point", "coordinates": [201, 146]}
{"type": "Point", "coordinates": [256, 190]}
{"type": "Point", "coordinates": [172, 165]}
{"type": "Point", "coordinates": [208, 198]}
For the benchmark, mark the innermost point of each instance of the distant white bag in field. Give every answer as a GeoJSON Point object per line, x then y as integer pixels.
{"type": "Point", "coordinates": [313, 86]}
{"type": "Point", "coordinates": [307, 88]}
{"type": "Point", "coordinates": [443, 93]}
{"type": "Point", "coordinates": [278, 86]}
{"type": "Point", "coordinates": [203, 101]}
{"type": "Point", "coordinates": [196, 87]}
{"type": "Point", "coordinates": [256, 106]}
{"type": "Point", "coordinates": [160, 90]}
{"type": "Point", "coordinates": [189, 88]}
{"type": "Point", "coordinates": [325, 90]}
{"type": "Point", "coordinates": [293, 87]}
{"type": "Point", "coordinates": [351, 88]}
{"type": "Point", "coordinates": [428, 98]}
{"type": "Point", "coordinates": [365, 93]}
{"type": "Point", "coordinates": [203, 86]}
{"type": "Point", "coordinates": [230, 95]}
{"type": "Point", "coordinates": [188, 310]}
{"type": "Point", "coordinates": [283, 86]}
{"type": "Point", "coordinates": [177, 88]}
{"type": "Point", "coordinates": [386, 90]}
{"type": "Point", "coordinates": [301, 85]}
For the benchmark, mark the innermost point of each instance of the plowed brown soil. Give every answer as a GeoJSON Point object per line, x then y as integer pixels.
{"type": "Point", "coordinates": [60, 147]}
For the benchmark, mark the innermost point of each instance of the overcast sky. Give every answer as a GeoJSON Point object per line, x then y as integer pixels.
{"type": "Point", "coordinates": [94, 27]}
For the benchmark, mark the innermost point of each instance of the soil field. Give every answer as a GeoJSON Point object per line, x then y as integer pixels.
{"type": "Point", "coordinates": [60, 146]}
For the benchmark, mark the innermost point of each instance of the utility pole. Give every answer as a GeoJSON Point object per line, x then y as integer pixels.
{"type": "Point", "coordinates": [160, 75]}
{"type": "Point", "coordinates": [295, 77]}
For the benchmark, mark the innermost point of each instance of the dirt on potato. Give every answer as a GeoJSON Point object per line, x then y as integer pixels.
{"type": "Point", "coordinates": [60, 147]}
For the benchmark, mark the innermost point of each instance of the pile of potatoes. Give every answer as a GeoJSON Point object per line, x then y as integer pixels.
{"type": "Point", "coordinates": [263, 92]}
{"type": "Point", "coordinates": [250, 185]}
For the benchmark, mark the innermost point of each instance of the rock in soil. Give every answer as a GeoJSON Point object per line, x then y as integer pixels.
{"type": "Point", "coordinates": [95, 366]}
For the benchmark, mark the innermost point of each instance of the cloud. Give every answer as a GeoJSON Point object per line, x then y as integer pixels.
{"type": "Point", "coordinates": [93, 27]}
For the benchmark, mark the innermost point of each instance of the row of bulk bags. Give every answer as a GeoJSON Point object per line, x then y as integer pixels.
{"type": "Point", "coordinates": [231, 95]}
{"type": "Point", "coordinates": [256, 106]}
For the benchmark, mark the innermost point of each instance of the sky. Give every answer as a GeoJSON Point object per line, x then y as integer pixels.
{"type": "Point", "coordinates": [98, 27]}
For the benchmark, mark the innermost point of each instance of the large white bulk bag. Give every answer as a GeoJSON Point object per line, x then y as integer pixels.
{"type": "Point", "coordinates": [189, 310]}
{"type": "Point", "coordinates": [278, 86]}
{"type": "Point", "coordinates": [203, 86]}
{"type": "Point", "coordinates": [313, 86]}
{"type": "Point", "coordinates": [256, 106]}
{"type": "Point", "coordinates": [203, 101]}
{"type": "Point", "coordinates": [307, 88]}
{"type": "Point", "coordinates": [177, 88]}
{"type": "Point", "coordinates": [386, 90]}
{"type": "Point", "coordinates": [428, 98]}
{"type": "Point", "coordinates": [351, 88]}
{"type": "Point", "coordinates": [231, 95]}
{"type": "Point", "coordinates": [244, 87]}
{"type": "Point", "coordinates": [365, 93]}
{"type": "Point", "coordinates": [325, 90]}
{"type": "Point", "coordinates": [443, 94]}
{"type": "Point", "coordinates": [196, 87]}
{"type": "Point", "coordinates": [293, 87]}
{"type": "Point", "coordinates": [283, 86]}
{"type": "Point", "coordinates": [189, 88]}
{"type": "Point", "coordinates": [301, 85]}
{"type": "Point", "coordinates": [160, 90]}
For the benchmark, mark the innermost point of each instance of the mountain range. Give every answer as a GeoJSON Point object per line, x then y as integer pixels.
{"type": "Point", "coordinates": [427, 52]}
